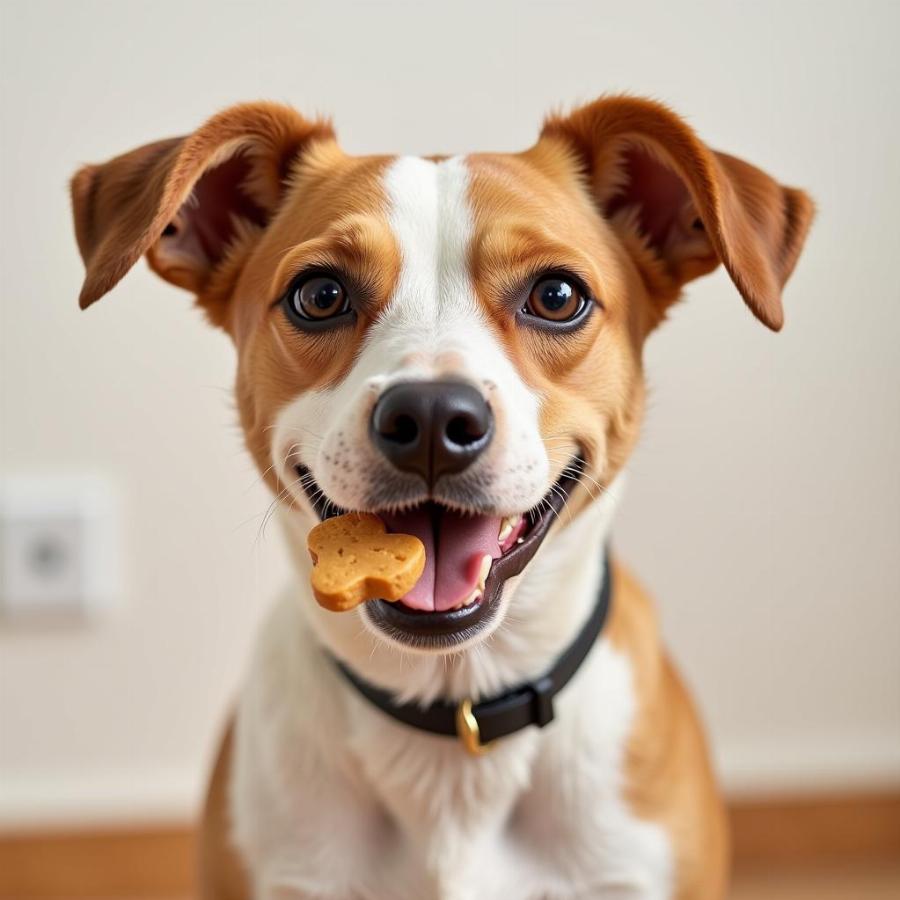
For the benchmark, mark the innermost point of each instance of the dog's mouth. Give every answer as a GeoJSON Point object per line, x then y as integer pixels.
{"type": "Point", "coordinates": [469, 557]}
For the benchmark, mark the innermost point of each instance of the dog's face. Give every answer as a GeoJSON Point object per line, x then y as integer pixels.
{"type": "Point", "coordinates": [454, 344]}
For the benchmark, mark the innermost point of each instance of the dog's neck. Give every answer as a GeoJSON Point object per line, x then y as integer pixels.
{"type": "Point", "coordinates": [550, 602]}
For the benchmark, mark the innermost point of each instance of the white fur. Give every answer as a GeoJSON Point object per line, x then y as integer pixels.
{"type": "Point", "coordinates": [333, 799]}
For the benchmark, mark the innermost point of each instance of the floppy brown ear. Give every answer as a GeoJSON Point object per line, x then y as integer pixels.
{"type": "Point", "coordinates": [683, 208]}
{"type": "Point", "coordinates": [186, 202]}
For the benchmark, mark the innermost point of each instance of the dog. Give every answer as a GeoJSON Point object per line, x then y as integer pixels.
{"type": "Point", "coordinates": [453, 344]}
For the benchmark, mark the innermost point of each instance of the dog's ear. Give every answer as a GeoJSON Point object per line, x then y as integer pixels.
{"type": "Point", "coordinates": [682, 208]}
{"type": "Point", "coordinates": [187, 202]}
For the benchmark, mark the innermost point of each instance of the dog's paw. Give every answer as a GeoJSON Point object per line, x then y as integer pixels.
{"type": "Point", "coordinates": [355, 560]}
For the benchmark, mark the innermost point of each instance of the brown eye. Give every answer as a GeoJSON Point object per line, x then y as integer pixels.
{"type": "Point", "coordinates": [317, 298]}
{"type": "Point", "coordinates": [555, 299]}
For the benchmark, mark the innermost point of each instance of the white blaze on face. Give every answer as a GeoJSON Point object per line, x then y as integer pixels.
{"type": "Point", "coordinates": [432, 327]}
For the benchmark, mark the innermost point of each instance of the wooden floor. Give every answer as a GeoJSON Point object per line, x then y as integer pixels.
{"type": "Point", "coordinates": [811, 848]}
{"type": "Point", "coordinates": [882, 883]}
{"type": "Point", "coordinates": [857, 884]}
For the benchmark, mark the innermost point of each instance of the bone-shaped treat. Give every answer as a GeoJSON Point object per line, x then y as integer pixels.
{"type": "Point", "coordinates": [355, 560]}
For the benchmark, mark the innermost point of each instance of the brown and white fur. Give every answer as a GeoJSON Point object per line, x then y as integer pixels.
{"type": "Point", "coordinates": [317, 794]}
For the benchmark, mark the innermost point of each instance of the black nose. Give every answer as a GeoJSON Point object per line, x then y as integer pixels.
{"type": "Point", "coordinates": [432, 428]}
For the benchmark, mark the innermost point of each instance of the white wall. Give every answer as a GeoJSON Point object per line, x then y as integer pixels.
{"type": "Point", "coordinates": [764, 504]}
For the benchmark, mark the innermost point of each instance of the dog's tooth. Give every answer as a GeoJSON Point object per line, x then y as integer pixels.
{"type": "Point", "coordinates": [470, 599]}
{"type": "Point", "coordinates": [507, 526]}
{"type": "Point", "coordinates": [486, 562]}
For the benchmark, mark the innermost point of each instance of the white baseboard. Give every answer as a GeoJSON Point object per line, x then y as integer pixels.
{"type": "Point", "coordinates": [803, 767]}
{"type": "Point", "coordinates": [92, 799]}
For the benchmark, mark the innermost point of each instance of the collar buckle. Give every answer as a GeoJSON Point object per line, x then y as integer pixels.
{"type": "Point", "coordinates": [468, 731]}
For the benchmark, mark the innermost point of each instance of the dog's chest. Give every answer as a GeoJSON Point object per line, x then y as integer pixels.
{"type": "Point", "coordinates": [540, 816]}
{"type": "Point", "coordinates": [402, 814]}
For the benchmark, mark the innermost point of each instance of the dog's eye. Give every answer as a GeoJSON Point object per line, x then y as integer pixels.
{"type": "Point", "coordinates": [316, 298]}
{"type": "Point", "coordinates": [555, 299]}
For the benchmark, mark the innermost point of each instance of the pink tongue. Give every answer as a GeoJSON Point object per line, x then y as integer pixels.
{"type": "Point", "coordinates": [453, 562]}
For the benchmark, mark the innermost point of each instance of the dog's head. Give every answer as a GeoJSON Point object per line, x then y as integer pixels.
{"type": "Point", "coordinates": [454, 344]}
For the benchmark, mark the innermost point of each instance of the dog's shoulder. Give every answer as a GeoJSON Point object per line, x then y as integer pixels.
{"type": "Point", "coordinates": [633, 625]}
{"type": "Point", "coordinates": [667, 771]}
{"type": "Point", "coordinates": [221, 874]}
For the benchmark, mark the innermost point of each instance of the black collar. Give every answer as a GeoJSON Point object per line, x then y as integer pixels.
{"type": "Point", "coordinates": [529, 704]}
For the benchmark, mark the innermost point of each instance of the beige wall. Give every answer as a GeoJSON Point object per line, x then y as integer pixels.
{"type": "Point", "coordinates": [764, 502]}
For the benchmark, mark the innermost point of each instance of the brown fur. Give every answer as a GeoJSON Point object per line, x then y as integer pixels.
{"type": "Point", "coordinates": [669, 777]}
{"type": "Point", "coordinates": [621, 192]}
{"type": "Point", "coordinates": [753, 225]}
{"type": "Point", "coordinates": [221, 874]}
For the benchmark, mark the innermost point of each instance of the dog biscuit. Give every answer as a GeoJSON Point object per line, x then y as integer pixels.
{"type": "Point", "coordinates": [355, 560]}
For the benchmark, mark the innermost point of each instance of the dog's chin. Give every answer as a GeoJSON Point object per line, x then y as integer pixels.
{"type": "Point", "coordinates": [470, 556]}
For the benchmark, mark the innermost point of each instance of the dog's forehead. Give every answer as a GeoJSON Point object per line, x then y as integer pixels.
{"type": "Point", "coordinates": [417, 190]}
{"type": "Point", "coordinates": [491, 189]}
{"type": "Point", "coordinates": [429, 212]}
{"type": "Point", "coordinates": [433, 310]}
{"type": "Point", "coordinates": [447, 213]}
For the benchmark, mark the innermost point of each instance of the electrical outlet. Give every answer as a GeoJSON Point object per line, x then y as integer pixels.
{"type": "Point", "coordinates": [58, 553]}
